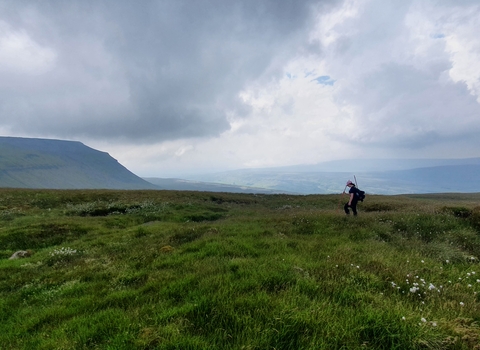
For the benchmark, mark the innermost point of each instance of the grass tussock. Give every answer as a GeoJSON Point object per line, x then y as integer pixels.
{"type": "Point", "coordinates": [193, 270]}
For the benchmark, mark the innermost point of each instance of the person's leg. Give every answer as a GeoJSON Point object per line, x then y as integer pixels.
{"type": "Point", "coordinates": [354, 208]}
{"type": "Point", "coordinates": [345, 207]}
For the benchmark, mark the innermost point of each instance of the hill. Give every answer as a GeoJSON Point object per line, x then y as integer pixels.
{"type": "Point", "coordinates": [374, 176]}
{"type": "Point", "coordinates": [377, 165]}
{"type": "Point", "coordinates": [58, 164]}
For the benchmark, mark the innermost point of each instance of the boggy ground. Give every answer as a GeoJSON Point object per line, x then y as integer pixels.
{"type": "Point", "coordinates": [196, 270]}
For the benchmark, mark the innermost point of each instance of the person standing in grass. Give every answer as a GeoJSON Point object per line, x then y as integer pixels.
{"type": "Point", "coordinates": [353, 200]}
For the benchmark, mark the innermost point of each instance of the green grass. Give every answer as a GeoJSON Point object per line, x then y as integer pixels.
{"type": "Point", "coordinates": [195, 270]}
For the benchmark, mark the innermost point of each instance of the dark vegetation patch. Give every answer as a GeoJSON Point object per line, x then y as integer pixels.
{"type": "Point", "coordinates": [475, 218]}
{"type": "Point", "coordinates": [459, 212]}
{"type": "Point", "coordinates": [9, 214]}
{"type": "Point", "coordinates": [471, 215]}
{"type": "Point", "coordinates": [188, 234]}
{"type": "Point", "coordinates": [149, 211]}
{"type": "Point", "coordinates": [240, 199]}
{"type": "Point", "coordinates": [185, 237]}
{"type": "Point", "coordinates": [304, 225]}
{"type": "Point", "coordinates": [41, 235]}
{"type": "Point", "coordinates": [203, 216]}
{"type": "Point", "coordinates": [377, 207]}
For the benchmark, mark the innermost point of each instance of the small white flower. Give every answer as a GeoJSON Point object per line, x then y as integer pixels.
{"type": "Point", "coordinates": [447, 261]}
{"type": "Point", "coordinates": [423, 320]}
{"type": "Point", "coordinates": [403, 318]}
{"type": "Point", "coordinates": [434, 324]}
{"type": "Point", "coordinates": [469, 286]}
{"type": "Point", "coordinates": [423, 262]}
{"type": "Point", "coordinates": [461, 303]}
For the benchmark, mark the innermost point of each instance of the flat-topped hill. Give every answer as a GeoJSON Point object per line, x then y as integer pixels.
{"type": "Point", "coordinates": [58, 164]}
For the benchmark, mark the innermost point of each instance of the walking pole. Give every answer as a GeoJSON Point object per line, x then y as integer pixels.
{"type": "Point", "coordinates": [356, 183]}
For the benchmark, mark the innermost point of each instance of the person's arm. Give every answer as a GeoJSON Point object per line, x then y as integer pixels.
{"type": "Point", "coordinates": [351, 199]}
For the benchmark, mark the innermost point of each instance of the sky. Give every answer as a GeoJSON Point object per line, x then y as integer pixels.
{"type": "Point", "coordinates": [171, 88]}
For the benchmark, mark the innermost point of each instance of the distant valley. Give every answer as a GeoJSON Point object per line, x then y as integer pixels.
{"type": "Point", "coordinates": [190, 185]}
{"type": "Point", "coordinates": [388, 177]}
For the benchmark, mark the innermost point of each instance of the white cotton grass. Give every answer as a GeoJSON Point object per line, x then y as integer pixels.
{"type": "Point", "coordinates": [64, 251]}
{"type": "Point", "coordinates": [427, 291]}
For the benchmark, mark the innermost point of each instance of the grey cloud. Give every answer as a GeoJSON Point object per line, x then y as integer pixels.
{"type": "Point", "coordinates": [401, 98]}
{"type": "Point", "coordinates": [150, 70]}
{"type": "Point", "coordinates": [404, 106]}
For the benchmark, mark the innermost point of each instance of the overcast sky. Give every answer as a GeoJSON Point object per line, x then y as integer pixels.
{"type": "Point", "coordinates": [171, 87]}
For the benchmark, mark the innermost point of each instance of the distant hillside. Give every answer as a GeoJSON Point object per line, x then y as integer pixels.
{"type": "Point", "coordinates": [56, 164]}
{"type": "Point", "coordinates": [186, 185]}
{"type": "Point", "coordinates": [452, 175]}
{"type": "Point", "coordinates": [372, 165]}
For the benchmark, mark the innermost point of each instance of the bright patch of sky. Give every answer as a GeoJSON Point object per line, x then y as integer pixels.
{"type": "Point", "coordinates": [19, 54]}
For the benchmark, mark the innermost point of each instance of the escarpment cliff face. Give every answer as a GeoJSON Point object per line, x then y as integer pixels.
{"type": "Point", "coordinates": [58, 164]}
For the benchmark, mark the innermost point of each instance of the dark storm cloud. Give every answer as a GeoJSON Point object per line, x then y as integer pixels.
{"type": "Point", "coordinates": [149, 70]}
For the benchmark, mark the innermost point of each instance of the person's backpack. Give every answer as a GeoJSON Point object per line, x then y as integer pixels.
{"type": "Point", "coordinates": [360, 195]}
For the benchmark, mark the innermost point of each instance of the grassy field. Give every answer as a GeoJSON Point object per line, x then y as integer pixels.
{"type": "Point", "coordinates": [196, 270]}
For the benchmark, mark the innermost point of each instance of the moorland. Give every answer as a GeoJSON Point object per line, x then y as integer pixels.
{"type": "Point", "coordinates": [108, 269]}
